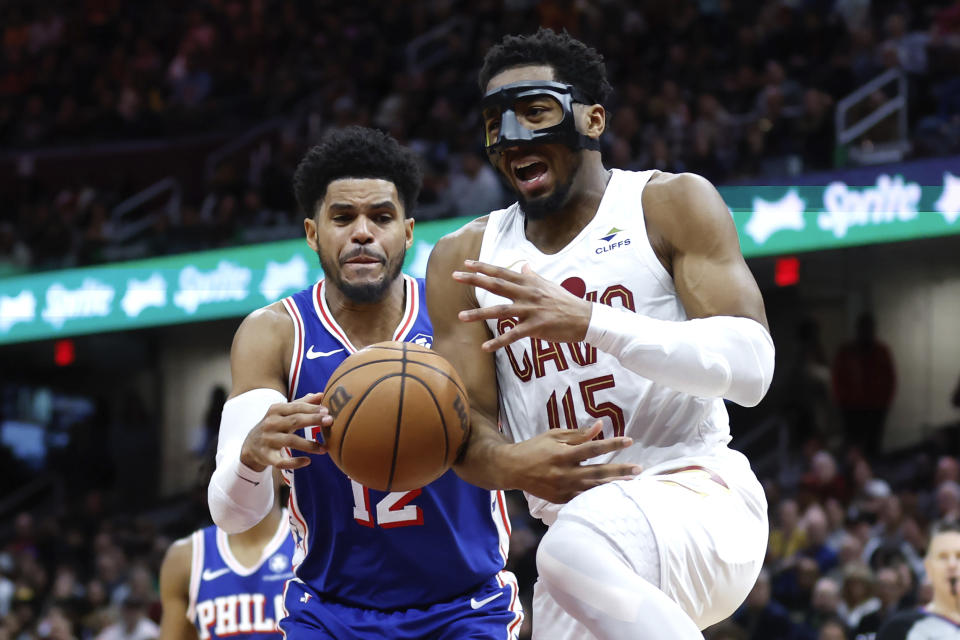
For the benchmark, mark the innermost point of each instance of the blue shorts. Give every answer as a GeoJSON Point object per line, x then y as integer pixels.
{"type": "Point", "coordinates": [491, 612]}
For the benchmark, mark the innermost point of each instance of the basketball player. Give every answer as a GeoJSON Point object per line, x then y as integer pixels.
{"type": "Point", "coordinates": [369, 564]}
{"type": "Point", "coordinates": [214, 585]}
{"type": "Point", "coordinates": [939, 620]}
{"type": "Point", "coordinates": [617, 302]}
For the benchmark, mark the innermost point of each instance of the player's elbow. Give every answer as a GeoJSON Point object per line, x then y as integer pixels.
{"type": "Point", "coordinates": [226, 514]}
{"type": "Point", "coordinates": [752, 382]}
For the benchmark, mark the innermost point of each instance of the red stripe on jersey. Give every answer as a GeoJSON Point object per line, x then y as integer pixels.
{"type": "Point", "coordinates": [327, 320]}
{"type": "Point", "coordinates": [295, 373]}
{"type": "Point", "coordinates": [503, 512]}
{"type": "Point", "coordinates": [413, 305]}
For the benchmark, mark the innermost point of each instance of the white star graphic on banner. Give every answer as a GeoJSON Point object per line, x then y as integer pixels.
{"type": "Point", "coordinates": [770, 217]}
{"type": "Point", "coordinates": [949, 202]}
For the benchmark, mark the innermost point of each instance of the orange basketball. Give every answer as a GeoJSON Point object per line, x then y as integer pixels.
{"type": "Point", "coordinates": [400, 415]}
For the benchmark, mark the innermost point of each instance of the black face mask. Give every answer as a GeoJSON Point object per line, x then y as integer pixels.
{"type": "Point", "coordinates": [503, 102]}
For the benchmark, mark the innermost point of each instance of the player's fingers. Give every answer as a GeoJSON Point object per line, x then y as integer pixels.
{"type": "Point", "coordinates": [578, 436]}
{"type": "Point", "coordinates": [610, 471]}
{"type": "Point", "coordinates": [292, 463]}
{"type": "Point", "coordinates": [494, 271]}
{"type": "Point", "coordinates": [296, 421]}
{"type": "Point", "coordinates": [311, 398]}
{"type": "Point", "coordinates": [298, 406]}
{"type": "Point", "coordinates": [594, 448]}
{"type": "Point", "coordinates": [489, 313]}
{"type": "Point", "coordinates": [507, 337]}
{"type": "Point", "coordinates": [302, 444]}
{"type": "Point", "coordinates": [497, 286]}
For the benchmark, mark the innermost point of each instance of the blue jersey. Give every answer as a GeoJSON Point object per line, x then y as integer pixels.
{"type": "Point", "coordinates": [229, 599]}
{"type": "Point", "coordinates": [373, 549]}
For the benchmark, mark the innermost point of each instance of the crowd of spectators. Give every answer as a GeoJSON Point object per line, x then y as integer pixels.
{"type": "Point", "coordinates": [730, 90]}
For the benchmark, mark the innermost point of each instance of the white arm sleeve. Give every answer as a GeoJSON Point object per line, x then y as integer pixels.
{"type": "Point", "coordinates": [720, 356]}
{"type": "Point", "coordinates": [238, 496]}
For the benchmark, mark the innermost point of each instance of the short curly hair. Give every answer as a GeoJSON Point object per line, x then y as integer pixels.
{"type": "Point", "coordinates": [572, 61]}
{"type": "Point", "coordinates": [356, 152]}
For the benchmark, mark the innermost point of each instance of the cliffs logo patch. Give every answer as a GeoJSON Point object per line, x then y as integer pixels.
{"type": "Point", "coordinates": [612, 240]}
{"type": "Point", "coordinates": [611, 234]}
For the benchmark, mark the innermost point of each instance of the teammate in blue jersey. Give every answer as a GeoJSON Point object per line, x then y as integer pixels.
{"type": "Point", "coordinates": [417, 564]}
{"type": "Point", "coordinates": [215, 585]}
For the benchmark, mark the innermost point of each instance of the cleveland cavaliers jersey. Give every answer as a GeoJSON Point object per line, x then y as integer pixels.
{"type": "Point", "coordinates": [229, 599]}
{"type": "Point", "coordinates": [375, 549]}
{"type": "Point", "coordinates": [546, 385]}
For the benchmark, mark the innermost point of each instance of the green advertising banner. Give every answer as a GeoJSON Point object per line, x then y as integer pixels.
{"type": "Point", "coordinates": [777, 220]}
{"type": "Point", "coordinates": [232, 282]}
{"type": "Point", "coordinates": [183, 288]}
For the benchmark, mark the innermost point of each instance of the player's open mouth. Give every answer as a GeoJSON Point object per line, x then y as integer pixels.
{"type": "Point", "coordinates": [529, 171]}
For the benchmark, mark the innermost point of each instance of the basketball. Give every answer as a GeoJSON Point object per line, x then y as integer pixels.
{"type": "Point", "coordinates": [401, 415]}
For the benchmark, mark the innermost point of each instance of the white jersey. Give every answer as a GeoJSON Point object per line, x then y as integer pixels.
{"type": "Point", "coordinates": [547, 385]}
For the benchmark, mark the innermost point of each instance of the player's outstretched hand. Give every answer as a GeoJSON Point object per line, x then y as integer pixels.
{"type": "Point", "coordinates": [268, 443]}
{"type": "Point", "coordinates": [549, 464]}
{"type": "Point", "coordinates": [544, 309]}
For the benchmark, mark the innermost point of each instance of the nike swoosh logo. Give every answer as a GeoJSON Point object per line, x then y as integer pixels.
{"type": "Point", "coordinates": [515, 263]}
{"type": "Point", "coordinates": [476, 604]}
{"type": "Point", "coordinates": [311, 354]}
{"type": "Point", "coordinates": [212, 575]}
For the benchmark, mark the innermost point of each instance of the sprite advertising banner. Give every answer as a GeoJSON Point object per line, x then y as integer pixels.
{"type": "Point", "coordinates": [864, 206]}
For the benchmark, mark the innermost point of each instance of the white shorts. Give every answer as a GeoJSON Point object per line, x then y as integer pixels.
{"type": "Point", "coordinates": [709, 518]}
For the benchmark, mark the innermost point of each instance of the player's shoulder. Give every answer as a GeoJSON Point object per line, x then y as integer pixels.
{"type": "Point", "coordinates": [676, 189]}
{"type": "Point", "coordinates": [272, 319]}
{"type": "Point", "coordinates": [178, 558]}
{"type": "Point", "coordinates": [470, 230]}
{"type": "Point", "coordinates": [460, 244]}
{"type": "Point", "coordinates": [685, 208]}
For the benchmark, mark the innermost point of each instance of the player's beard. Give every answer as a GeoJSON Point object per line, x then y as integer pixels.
{"type": "Point", "coordinates": [540, 208]}
{"type": "Point", "coordinates": [366, 292]}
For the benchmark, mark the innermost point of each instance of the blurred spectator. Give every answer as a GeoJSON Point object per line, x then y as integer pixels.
{"type": "Point", "coordinates": [857, 598]}
{"type": "Point", "coordinates": [133, 623]}
{"type": "Point", "coordinates": [476, 187]}
{"type": "Point", "coordinates": [833, 630]}
{"type": "Point", "coordinates": [787, 537]}
{"type": "Point", "coordinates": [760, 616]}
{"type": "Point", "coordinates": [14, 254]}
{"type": "Point", "coordinates": [889, 590]}
{"type": "Point", "coordinates": [824, 605]}
{"type": "Point", "coordinates": [823, 481]}
{"type": "Point", "coordinates": [817, 529]}
{"type": "Point", "coordinates": [864, 382]}
{"type": "Point", "coordinates": [948, 503]}
{"type": "Point", "coordinates": [888, 540]}
{"type": "Point", "coordinates": [808, 381]}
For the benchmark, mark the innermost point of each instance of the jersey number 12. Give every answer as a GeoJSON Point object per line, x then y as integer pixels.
{"type": "Point", "coordinates": [393, 510]}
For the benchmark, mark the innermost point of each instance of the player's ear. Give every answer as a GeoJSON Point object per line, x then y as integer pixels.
{"type": "Point", "coordinates": [310, 228]}
{"type": "Point", "coordinates": [593, 120]}
{"type": "Point", "coordinates": [408, 231]}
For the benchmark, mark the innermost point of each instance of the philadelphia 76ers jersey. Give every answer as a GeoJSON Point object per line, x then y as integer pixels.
{"type": "Point", "coordinates": [229, 599]}
{"type": "Point", "coordinates": [373, 549]}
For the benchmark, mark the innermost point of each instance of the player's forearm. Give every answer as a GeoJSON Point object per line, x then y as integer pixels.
{"type": "Point", "coordinates": [720, 356]}
{"type": "Point", "coordinates": [485, 460]}
{"type": "Point", "coordinates": [238, 496]}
